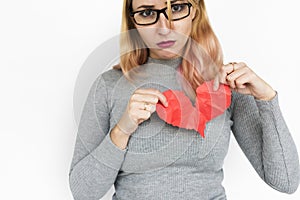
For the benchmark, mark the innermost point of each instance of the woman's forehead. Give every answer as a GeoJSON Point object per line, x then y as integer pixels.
{"type": "Point", "coordinates": [155, 3]}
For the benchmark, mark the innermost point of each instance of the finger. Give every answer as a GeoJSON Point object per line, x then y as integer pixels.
{"type": "Point", "coordinates": [216, 83]}
{"type": "Point", "coordinates": [228, 68]}
{"type": "Point", "coordinates": [138, 112]}
{"type": "Point", "coordinates": [155, 92]}
{"type": "Point", "coordinates": [136, 105]}
{"type": "Point", "coordinates": [143, 115]}
{"type": "Point", "coordinates": [237, 73]}
{"type": "Point", "coordinates": [225, 70]}
{"type": "Point", "coordinates": [231, 84]}
{"type": "Point", "coordinates": [233, 66]}
{"type": "Point", "coordinates": [148, 98]}
{"type": "Point", "coordinates": [147, 106]}
{"type": "Point", "coordinates": [150, 107]}
{"type": "Point", "coordinates": [239, 65]}
{"type": "Point", "coordinates": [242, 81]}
{"type": "Point", "coordinates": [231, 78]}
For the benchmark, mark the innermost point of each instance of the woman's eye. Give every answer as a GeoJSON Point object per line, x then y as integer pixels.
{"type": "Point", "coordinates": [177, 8]}
{"type": "Point", "coordinates": [147, 13]}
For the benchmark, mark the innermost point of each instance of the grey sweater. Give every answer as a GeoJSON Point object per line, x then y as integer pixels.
{"type": "Point", "coordinates": [162, 161]}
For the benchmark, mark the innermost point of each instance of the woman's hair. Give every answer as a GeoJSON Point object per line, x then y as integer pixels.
{"type": "Point", "coordinates": [202, 56]}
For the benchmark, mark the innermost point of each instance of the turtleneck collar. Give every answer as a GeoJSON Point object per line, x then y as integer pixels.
{"type": "Point", "coordinates": [173, 62]}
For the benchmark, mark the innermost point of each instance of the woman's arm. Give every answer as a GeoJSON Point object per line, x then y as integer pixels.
{"type": "Point", "coordinates": [263, 135]}
{"type": "Point", "coordinates": [97, 158]}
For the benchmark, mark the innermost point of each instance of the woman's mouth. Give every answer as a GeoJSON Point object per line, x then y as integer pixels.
{"type": "Point", "coordinates": [166, 44]}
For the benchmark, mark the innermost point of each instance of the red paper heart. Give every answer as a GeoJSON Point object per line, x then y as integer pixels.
{"type": "Point", "coordinates": [208, 105]}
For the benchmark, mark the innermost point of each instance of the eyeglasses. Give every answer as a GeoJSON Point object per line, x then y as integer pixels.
{"type": "Point", "coordinates": [151, 16]}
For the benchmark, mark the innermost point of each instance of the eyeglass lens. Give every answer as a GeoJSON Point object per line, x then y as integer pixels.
{"type": "Point", "coordinates": [151, 16]}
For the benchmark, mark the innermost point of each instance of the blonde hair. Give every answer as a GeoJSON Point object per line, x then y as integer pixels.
{"type": "Point", "coordinates": [202, 57]}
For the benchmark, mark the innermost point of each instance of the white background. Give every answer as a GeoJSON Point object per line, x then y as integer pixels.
{"type": "Point", "coordinates": [43, 46]}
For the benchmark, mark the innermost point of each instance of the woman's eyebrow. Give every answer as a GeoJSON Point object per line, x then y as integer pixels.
{"type": "Point", "coordinates": [146, 6]}
{"type": "Point", "coordinates": [174, 1]}
{"type": "Point", "coordinates": [152, 6]}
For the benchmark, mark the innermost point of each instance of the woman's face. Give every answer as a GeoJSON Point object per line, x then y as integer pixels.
{"type": "Point", "coordinates": [164, 42]}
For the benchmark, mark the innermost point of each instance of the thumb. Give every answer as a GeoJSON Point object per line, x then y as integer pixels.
{"type": "Point", "coordinates": [216, 83]}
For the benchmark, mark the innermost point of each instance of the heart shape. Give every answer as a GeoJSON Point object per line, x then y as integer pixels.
{"type": "Point", "coordinates": [208, 105]}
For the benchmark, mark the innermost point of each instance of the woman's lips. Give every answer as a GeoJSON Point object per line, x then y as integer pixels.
{"type": "Point", "coordinates": [166, 44]}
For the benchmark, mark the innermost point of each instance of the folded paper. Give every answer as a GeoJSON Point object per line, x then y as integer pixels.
{"type": "Point", "coordinates": [208, 105]}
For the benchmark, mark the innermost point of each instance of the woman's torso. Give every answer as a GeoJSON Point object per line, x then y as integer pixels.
{"type": "Point", "coordinates": [164, 161]}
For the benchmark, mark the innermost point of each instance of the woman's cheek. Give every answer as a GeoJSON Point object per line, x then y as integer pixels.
{"type": "Point", "coordinates": [147, 37]}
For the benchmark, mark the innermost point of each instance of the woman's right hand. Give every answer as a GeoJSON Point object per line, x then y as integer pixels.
{"type": "Point", "coordinates": [141, 105]}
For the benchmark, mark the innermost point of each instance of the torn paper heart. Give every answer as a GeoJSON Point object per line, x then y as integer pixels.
{"type": "Point", "coordinates": [208, 105]}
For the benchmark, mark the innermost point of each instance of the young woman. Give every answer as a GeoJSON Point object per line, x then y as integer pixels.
{"type": "Point", "coordinates": [125, 139]}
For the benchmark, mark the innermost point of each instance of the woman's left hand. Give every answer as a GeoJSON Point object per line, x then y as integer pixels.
{"type": "Point", "coordinates": [243, 80]}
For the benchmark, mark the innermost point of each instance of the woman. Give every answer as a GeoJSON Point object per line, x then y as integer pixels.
{"type": "Point", "coordinates": [124, 140]}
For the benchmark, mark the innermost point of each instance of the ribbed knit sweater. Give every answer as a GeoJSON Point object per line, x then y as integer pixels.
{"type": "Point", "coordinates": [164, 162]}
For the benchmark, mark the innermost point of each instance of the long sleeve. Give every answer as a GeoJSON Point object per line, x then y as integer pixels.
{"type": "Point", "coordinates": [263, 136]}
{"type": "Point", "coordinates": [96, 160]}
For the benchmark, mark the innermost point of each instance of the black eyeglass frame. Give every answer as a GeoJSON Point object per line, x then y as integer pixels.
{"type": "Point", "coordinates": [158, 11]}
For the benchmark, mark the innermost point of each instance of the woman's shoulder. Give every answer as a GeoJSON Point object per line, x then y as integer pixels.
{"type": "Point", "coordinates": [106, 80]}
{"type": "Point", "coordinates": [111, 75]}
{"type": "Point", "coordinates": [108, 77]}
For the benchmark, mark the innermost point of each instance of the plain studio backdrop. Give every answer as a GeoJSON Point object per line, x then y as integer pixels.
{"type": "Point", "coordinates": [43, 46]}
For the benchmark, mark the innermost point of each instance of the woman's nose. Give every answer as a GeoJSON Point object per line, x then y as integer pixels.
{"type": "Point", "coordinates": [163, 25]}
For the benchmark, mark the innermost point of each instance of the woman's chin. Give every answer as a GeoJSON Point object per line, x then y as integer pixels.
{"type": "Point", "coordinates": [165, 54]}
